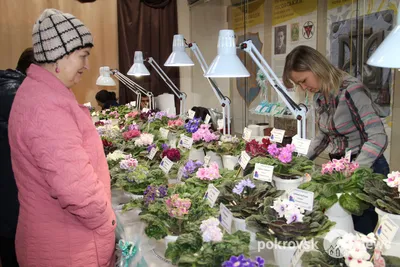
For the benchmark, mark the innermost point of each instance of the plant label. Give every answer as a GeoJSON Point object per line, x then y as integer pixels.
{"type": "Point", "coordinates": [277, 135]}
{"type": "Point", "coordinates": [191, 114]}
{"type": "Point", "coordinates": [207, 160]}
{"type": "Point", "coordinates": [387, 229]}
{"type": "Point", "coordinates": [152, 153]}
{"type": "Point", "coordinates": [348, 155]}
{"type": "Point", "coordinates": [225, 218]}
{"type": "Point", "coordinates": [302, 198]}
{"type": "Point", "coordinates": [180, 174]}
{"type": "Point", "coordinates": [301, 145]}
{"type": "Point", "coordinates": [244, 159]}
{"type": "Point", "coordinates": [263, 172]}
{"type": "Point", "coordinates": [207, 119]}
{"type": "Point", "coordinates": [164, 133]}
{"type": "Point", "coordinates": [186, 142]}
{"type": "Point", "coordinates": [220, 124]}
{"type": "Point", "coordinates": [211, 195]}
{"type": "Point", "coordinates": [246, 134]}
{"type": "Point", "coordinates": [166, 165]}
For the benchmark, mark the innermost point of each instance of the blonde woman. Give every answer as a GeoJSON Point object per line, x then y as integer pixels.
{"type": "Point", "coordinates": [347, 116]}
{"type": "Point", "coordinates": [65, 218]}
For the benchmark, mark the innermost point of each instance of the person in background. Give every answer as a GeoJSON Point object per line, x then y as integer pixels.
{"type": "Point", "coordinates": [347, 116]}
{"type": "Point", "coordinates": [10, 80]}
{"type": "Point", "coordinates": [66, 217]}
{"type": "Point", "coordinates": [144, 102]}
{"type": "Point", "coordinates": [106, 99]}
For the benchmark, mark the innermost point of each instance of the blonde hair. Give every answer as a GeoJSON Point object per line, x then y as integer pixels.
{"type": "Point", "coordinates": [305, 58]}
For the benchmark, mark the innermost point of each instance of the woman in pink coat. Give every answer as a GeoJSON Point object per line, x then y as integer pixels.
{"type": "Point", "coordinates": [65, 218]}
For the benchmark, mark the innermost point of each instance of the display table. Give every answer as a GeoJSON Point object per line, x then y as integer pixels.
{"type": "Point", "coordinates": [153, 251]}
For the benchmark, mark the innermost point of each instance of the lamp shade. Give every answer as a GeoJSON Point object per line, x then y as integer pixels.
{"type": "Point", "coordinates": [227, 63]}
{"type": "Point", "coordinates": [178, 56]}
{"type": "Point", "coordinates": [387, 55]}
{"type": "Point", "coordinates": [105, 78]}
{"type": "Point", "coordinates": [138, 68]}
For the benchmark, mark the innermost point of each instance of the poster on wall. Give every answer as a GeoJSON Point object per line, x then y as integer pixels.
{"type": "Point", "coordinates": [293, 23]}
{"type": "Point", "coordinates": [354, 32]}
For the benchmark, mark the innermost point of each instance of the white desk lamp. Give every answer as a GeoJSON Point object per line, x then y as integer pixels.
{"type": "Point", "coordinates": [227, 64]}
{"type": "Point", "coordinates": [179, 58]}
{"type": "Point", "coordinates": [105, 80]}
{"type": "Point", "coordinates": [138, 69]}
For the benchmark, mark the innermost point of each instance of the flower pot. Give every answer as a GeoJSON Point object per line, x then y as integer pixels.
{"type": "Point", "coordinates": [215, 158]}
{"type": "Point", "coordinates": [394, 245]}
{"type": "Point", "coordinates": [95, 119]}
{"type": "Point", "coordinates": [283, 255]}
{"type": "Point", "coordinates": [196, 154]}
{"type": "Point", "coordinates": [169, 239]}
{"type": "Point", "coordinates": [240, 224]}
{"type": "Point", "coordinates": [342, 218]}
{"type": "Point", "coordinates": [287, 184]}
{"type": "Point", "coordinates": [230, 161]}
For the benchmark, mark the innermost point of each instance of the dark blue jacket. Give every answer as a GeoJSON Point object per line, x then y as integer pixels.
{"type": "Point", "coordinates": [10, 80]}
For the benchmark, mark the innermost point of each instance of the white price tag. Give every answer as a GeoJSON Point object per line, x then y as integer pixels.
{"type": "Point", "coordinates": [277, 135]}
{"type": "Point", "coordinates": [244, 159]}
{"type": "Point", "coordinates": [180, 174]}
{"type": "Point", "coordinates": [263, 172]}
{"type": "Point", "coordinates": [164, 133]}
{"type": "Point", "coordinates": [302, 198]}
{"type": "Point", "coordinates": [220, 124]}
{"type": "Point", "coordinates": [225, 218]}
{"type": "Point", "coordinates": [207, 119]}
{"type": "Point", "coordinates": [166, 165]}
{"type": "Point", "coordinates": [152, 153]}
{"type": "Point", "coordinates": [207, 160]}
{"type": "Point", "coordinates": [246, 134]}
{"type": "Point", "coordinates": [191, 114]}
{"type": "Point", "coordinates": [301, 145]}
{"type": "Point", "coordinates": [211, 195]}
{"type": "Point", "coordinates": [387, 229]}
{"type": "Point", "coordinates": [348, 155]}
{"type": "Point", "coordinates": [186, 142]}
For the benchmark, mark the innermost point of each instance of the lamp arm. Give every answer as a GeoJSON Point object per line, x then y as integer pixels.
{"type": "Point", "coordinates": [223, 100]}
{"type": "Point", "coordinates": [181, 95]}
{"type": "Point", "coordinates": [134, 87]}
{"type": "Point", "coordinates": [298, 111]}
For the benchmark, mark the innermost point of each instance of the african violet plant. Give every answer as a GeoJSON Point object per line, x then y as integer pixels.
{"type": "Point", "coordinates": [175, 215]}
{"type": "Point", "coordinates": [245, 197]}
{"type": "Point", "coordinates": [383, 194]}
{"type": "Point", "coordinates": [283, 220]}
{"type": "Point", "coordinates": [227, 145]}
{"type": "Point", "coordinates": [340, 177]}
{"type": "Point", "coordinates": [287, 164]}
{"type": "Point", "coordinates": [207, 246]}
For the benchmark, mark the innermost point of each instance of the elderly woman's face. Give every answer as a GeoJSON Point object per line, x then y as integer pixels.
{"type": "Point", "coordinates": [72, 66]}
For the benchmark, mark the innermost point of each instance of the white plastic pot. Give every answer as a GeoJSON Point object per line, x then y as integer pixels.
{"type": "Point", "coordinates": [230, 162]}
{"type": "Point", "coordinates": [196, 154]}
{"type": "Point", "coordinates": [169, 239]}
{"type": "Point", "coordinates": [287, 184]}
{"type": "Point", "coordinates": [283, 255]}
{"type": "Point", "coordinates": [240, 224]}
{"type": "Point", "coordinates": [215, 158]}
{"type": "Point", "coordinates": [342, 218]}
{"type": "Point", "coordinates": [394, 245]}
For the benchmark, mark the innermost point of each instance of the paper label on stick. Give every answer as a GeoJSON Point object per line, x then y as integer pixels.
{"type": "Point", "coordinates": [246, 134]}
{"type": "Point", "coordinates": [225, 218]}
{"type": "Point", "coordinates": [302, 198]}
{"type": "Point", "coordinates": [164, 133]}
{"type": "Point", "coordinates": [207, 119]}
{"type": "Point", "coordinates": [263, 172]}
{"type": "Point", "coordinates": [152, 153]}
{"type": "Point", "coordinates": [211, 195]}
{"type": "Point", "coordinates": [191, 114]}
{"type": "Point", "coordinates": [166, 165]}
{"type": "Point", "coordinates": [277, 135]}
{"type": "Point", "coordinates": [244, 159]}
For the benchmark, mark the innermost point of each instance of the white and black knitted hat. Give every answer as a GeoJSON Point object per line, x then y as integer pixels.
{"type": "Point", "coordinates": [56, 34]}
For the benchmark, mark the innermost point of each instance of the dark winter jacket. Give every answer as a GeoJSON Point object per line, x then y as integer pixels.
{"type": "Point", "coordinates": [10, 80]}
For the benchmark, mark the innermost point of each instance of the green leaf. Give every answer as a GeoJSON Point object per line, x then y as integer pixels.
{"type": "Point", "coordinates": [327, 202]}
{"type": "Point", "coordinates": [352, 204]}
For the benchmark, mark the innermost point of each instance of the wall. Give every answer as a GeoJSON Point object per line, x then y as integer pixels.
{"type": "Point", "coordinates": [100, 17]}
